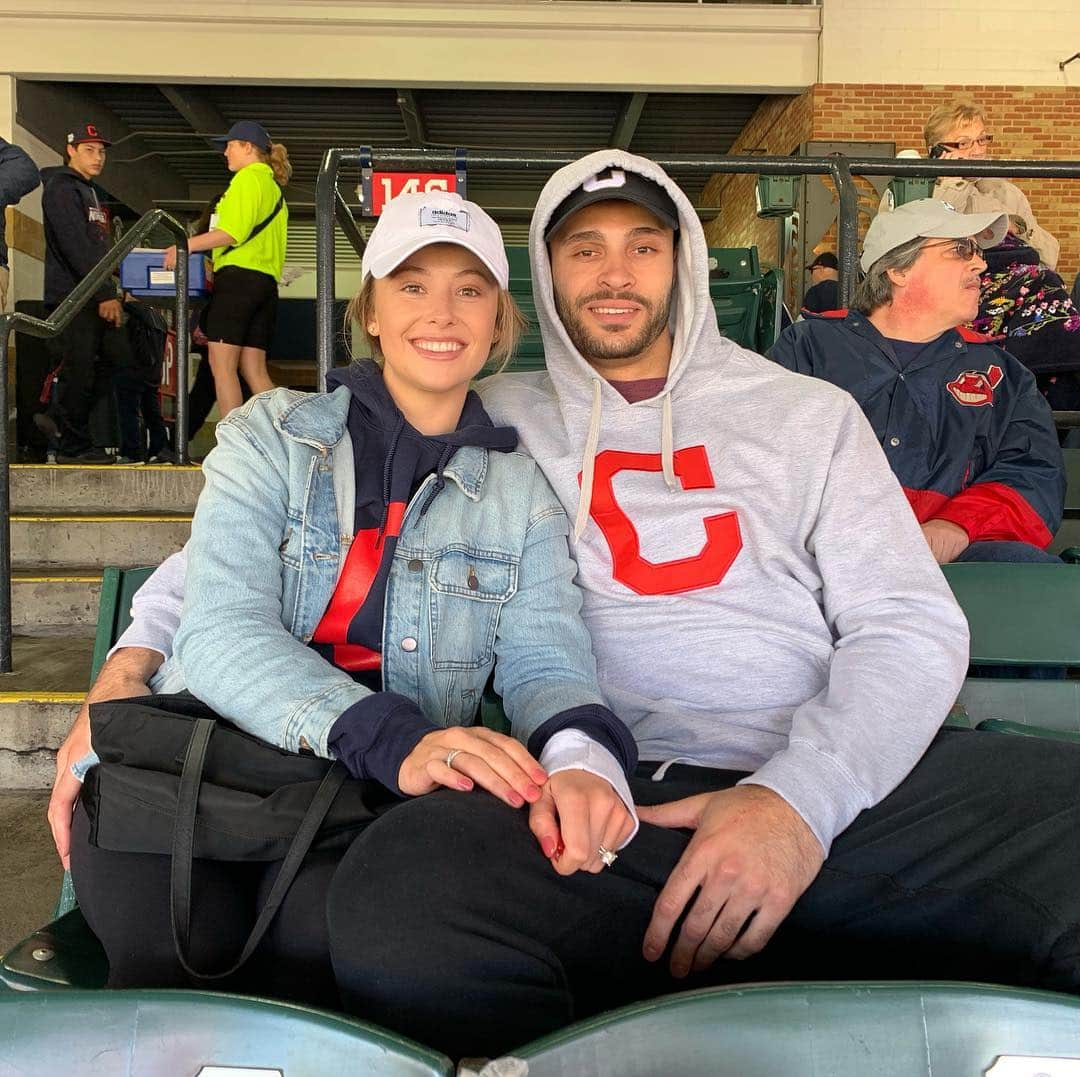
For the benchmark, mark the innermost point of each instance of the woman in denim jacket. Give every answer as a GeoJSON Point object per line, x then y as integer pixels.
{"type": "Point", "coordinates": [360, 561]}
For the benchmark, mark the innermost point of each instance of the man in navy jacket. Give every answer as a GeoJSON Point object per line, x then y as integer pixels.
{"type": "Point", "coordinates": [18, 177]}
{"type": "Point", "coordinates": [961, 421]}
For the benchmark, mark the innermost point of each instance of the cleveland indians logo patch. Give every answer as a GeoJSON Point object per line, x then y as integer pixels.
{"type": "Point", "coordinates": [975, 389]}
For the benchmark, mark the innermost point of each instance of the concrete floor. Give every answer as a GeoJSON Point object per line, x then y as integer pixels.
{"type": "Point", "coordinates": [30, 870]}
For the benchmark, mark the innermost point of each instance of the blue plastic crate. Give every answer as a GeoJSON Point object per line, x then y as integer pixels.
{"type": "Point", "coordinates": [142, 274]}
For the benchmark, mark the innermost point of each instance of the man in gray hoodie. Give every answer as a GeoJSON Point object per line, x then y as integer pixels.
{"type": "Point", "coordinates": [769, 623]}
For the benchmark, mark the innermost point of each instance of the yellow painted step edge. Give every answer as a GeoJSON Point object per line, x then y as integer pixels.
{"type": "Point", "coordinates": [106, 467]}
{"type": "Point", "coordinates": [156, 518]}
{"type": "Point", "coordinates": [55, 579]}
{"type": "Point", "coordinates": [42, 697]}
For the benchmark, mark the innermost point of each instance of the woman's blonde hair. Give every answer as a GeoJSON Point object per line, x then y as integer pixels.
{"type": "Point", "coordinates": [510, 324]}
{"type": "Point", "coordinates": [945, 117]}
{"type": "Point", "coordinates": [278, 160]}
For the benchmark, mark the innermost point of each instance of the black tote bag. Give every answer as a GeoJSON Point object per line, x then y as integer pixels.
{"type": "Point", "coordinates": [176, 780]}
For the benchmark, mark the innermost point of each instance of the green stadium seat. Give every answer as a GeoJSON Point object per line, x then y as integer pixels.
{"type": "Point", "coordinates": [1019, 614]}
{"type": "Point", "coordinates": [1072, 480]}
{"type": "Point", "coordinates": [838, 1029]}
{"type": "Point", "coordinates": [147, 1033]}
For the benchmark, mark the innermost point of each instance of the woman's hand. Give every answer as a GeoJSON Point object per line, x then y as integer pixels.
{"type": "Point", "coordinates": [495, 762]}
{"type": "Point", "coordinates": [169, 261]}
{"type": "Point", "coordinates": [577, 814]}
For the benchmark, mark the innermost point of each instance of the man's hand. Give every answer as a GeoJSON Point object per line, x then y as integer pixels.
{"type": "Point", "coordinates": [123, 676]}
{"type": "Point", "coordinates": [577, 813]}
{"type": "Point", "coordinates": [750, 860]}
{"type": "Point", "coordinates": [111, 311]}
{"type": "Point", "coordinates": [947, 541]}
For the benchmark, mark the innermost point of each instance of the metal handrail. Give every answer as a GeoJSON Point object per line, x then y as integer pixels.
{"type": "Point", "coordinates": [840, 168]}
{"type": "Point", "coordinates": [56, 323]}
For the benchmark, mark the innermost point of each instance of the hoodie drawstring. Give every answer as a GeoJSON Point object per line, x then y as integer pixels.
{"type": "Point", "coordinates": [388, 472]}
{"type": "Point", "coordinates": [588, 463]}
{"type": "Point", "coordinates": [667, 445]}
{"type": "Point", "coordinates": [440, 478]}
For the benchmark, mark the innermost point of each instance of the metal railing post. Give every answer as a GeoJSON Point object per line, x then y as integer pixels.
{"type": "Point", "coordinates": [847, 232]}
{"type": "Point", "coordinates": [56, 323]}
{"type": "Point", "coordinates": [183, 339]}
{"type": "Point", "coordinates": [325, 194]}
{"type": "Point", "coordinates": [5, 504]}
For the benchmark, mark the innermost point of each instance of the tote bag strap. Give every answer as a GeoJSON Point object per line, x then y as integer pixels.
{"type": "Point", "coordinates": [183, 851]}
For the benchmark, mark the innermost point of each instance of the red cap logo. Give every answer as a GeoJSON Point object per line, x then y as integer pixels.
{"type": "Point", "coordinates": [975, 389]}
{"type": "Point", "coordinates": [91, 131]}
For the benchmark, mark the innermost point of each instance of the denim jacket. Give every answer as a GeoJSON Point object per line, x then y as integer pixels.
{"type": "Point", "coordinates": [484, 574]}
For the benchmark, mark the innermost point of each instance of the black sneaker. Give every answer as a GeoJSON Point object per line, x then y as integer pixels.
{"type": "Point", "coordinates": [164, 456]}
{"type": "Point", "coordinates": [91, 456]}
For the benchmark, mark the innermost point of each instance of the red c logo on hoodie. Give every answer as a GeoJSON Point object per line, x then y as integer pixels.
{"type": "Point", "coordinates": [723, 540]}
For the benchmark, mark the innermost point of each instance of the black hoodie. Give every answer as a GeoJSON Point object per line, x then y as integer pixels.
{"type": "Point", "coordinates": [76, 234]}
{"type": "Point", "coordinates": [392, 459]}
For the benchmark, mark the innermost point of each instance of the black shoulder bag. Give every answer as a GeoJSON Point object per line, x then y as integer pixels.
{"type": "Point", "coordinates": [260, 226]}
{"type": "Point", "coordinates": [176, 780]}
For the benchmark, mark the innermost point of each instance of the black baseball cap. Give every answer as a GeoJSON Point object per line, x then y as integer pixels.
{"type": "Point", "coordinates": [86, 132]}
{"type": "Point", "coordinates": [612, 184]}
{"type": "Point", "coordinates": [245, 131]}
{"type": "Point", "coordinates": [826, 260]}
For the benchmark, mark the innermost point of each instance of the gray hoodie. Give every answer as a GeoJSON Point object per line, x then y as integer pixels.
{"type": "Point", "coordinates": [759, 593]}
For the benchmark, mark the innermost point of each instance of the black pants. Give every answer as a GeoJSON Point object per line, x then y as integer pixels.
{"type": "Point", "coordinates": [90, 350]}
{"type": "Point", "coordinates": [125, 900]}
{"type": "Point", "coordinates": [142, 429]}
{"type": "Point", "coordinates": [444, 921]}
{"type": "Point", "coordinates": [448, 925]}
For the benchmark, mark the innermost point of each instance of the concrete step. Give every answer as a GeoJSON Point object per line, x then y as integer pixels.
{"type": "Point", "coordinates": [38, 703]}
{"type": "Point", "coordinates": [39, 488]}
{"type": "Point", "coordinates": [47, 602]}
{"type": "Point", "coordinates": [70, 540]}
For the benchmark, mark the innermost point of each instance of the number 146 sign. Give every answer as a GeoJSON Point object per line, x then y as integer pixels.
{"type": "Point", "coordinates": [387, 185]}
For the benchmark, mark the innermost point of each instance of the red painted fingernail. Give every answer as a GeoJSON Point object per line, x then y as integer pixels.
{"type": "Point", "coordinates": [515, 799]}
{"type": "Point", "coordinates": [559, 849]}
{"type": "Point", "coordinates": [464, 783]}
{"type": "Point", "coordinates": [548, 846]}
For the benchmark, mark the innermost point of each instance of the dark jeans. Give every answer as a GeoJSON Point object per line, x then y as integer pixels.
{"type": "Point", "coordinates": [448, 925]}
{"type": "Point", "coordinates": [135, 400]}
{"type": "Point", "coordinates": [1008, 551]}
{"type": "Point", "coordinates": [91, 350]}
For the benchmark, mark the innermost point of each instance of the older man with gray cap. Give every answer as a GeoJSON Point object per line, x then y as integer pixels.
{"type": "Point", "coordinates": [961, 421]}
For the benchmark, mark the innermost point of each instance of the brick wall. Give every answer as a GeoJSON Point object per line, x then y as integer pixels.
{"type": "Point", "coordinates": [778, 126]}
{"type": "Point", "coordinates": [1027, 123]}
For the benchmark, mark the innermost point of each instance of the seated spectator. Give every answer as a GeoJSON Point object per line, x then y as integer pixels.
{"type": "Point", "coordinates": [961, 421]}
{"type": "Point", "coordinates": [957, 131]}
{"type": "Point", "coordinates": [824, 291]}
{"type": "Point", "coordinates": [1022, 297]}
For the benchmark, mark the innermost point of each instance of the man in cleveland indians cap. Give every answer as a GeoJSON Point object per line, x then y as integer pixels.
{"type": "Point", "coordinates": [967, 432]}
{"type": "Point", "coordinates": [93, 345]}
{"type": "Point", "coordinates": [770, 625]}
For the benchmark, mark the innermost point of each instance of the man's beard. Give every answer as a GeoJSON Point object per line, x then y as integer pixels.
{"type": "Point", "coordinates": [617, 343]}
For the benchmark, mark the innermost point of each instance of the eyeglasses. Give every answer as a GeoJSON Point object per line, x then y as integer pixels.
{"type": "Point", "coordinates": [964, 249]}
{"type": "Point", "coordinates": [967, 143]}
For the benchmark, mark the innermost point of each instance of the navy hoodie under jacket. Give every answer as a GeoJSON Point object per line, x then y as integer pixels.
{"type": "Point", "coordinates": [392, 460]}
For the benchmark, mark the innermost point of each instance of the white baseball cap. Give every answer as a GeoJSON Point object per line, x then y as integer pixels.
{"type": "Point", "coordinates": [412, 221]}
{"type": "Point", "coordinates": [931, 218]}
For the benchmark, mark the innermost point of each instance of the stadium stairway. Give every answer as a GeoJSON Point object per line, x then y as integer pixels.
{"type": "Point", "coordinates": [69, 522]}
